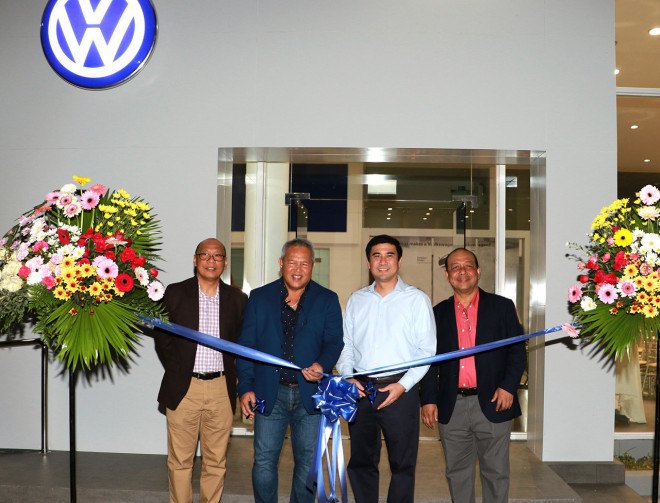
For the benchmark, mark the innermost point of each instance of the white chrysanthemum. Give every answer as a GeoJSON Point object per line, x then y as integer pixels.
{"type": "Point", "coordinates": [69, 188]}
{"type": "Point", "coordinates": [11, 283]}
{"type": "Point", "coordinates": [587, 304]}
{"type": "Point", "coordinates": [648, 212]}
{"type": "Point", "coordinates": [67, 249]}
{"type": "Point", "coordinates": [78, 252]}
{"type": "Point", "coordinates": [651, 241]}
{"type": "Point", "coordinates": [11, 268]}
{"type": "Point", "coordinates": [651, 258]}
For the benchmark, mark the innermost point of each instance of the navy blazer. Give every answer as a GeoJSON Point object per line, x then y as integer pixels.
{"type": "Point", "coordinates": [177, 354]}
{"type": "Point", "coordinates": [318, 338]}
{"type": "Point", "coordinates": [499, 368]}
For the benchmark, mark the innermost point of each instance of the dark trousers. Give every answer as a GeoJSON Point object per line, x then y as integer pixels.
{"type": "Point", "coordinates": [399, 424]}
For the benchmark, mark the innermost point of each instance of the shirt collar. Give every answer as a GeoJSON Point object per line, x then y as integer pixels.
{"type": "Point", "coordinates": [400, 285]}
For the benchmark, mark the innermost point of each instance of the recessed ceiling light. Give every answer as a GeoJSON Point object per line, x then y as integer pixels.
{"type": "Point", "coordinates": [616, 71]}
{"type": "Point", "coordinates": [389, 218]}
{"type": "Point", "coordinates": [654, 32]}
{"type": "Point", "coordinates": [471, 211]}
{"type": "Point", "coordinates": [430, 209]}
{"type": "Point", "coordinates": [647, 160]}
{"type": "Point", "coordinates": [427, 213]}
{"type": "Point", "coordinates": [510, 209]}
{"type": "Point", "coordinates": [634, 126]}
{"type": "Point", "coordinates": [424, 218]}
{"type": "Point", "coordinates": [389, 209]}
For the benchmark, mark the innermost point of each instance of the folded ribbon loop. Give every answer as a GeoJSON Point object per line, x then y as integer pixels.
{"type": "Point", "coordinates": [335, 398]}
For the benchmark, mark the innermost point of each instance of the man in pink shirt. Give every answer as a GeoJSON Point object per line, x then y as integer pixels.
{"type": "Point", "coordinates": [474, 398]}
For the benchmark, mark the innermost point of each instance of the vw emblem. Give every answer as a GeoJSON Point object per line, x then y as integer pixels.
{"type": "Point", "coordinates": [97, 44]}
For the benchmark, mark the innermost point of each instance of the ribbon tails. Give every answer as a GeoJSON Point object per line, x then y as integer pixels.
{"type": "Point", "coordinates": [336, 398]}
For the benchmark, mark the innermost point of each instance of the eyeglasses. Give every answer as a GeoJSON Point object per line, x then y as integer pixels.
{"type": "Point", "coordinates": [218, 257]}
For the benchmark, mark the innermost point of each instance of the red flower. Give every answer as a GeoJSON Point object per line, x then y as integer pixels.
{"type": "Point", "coordinates": [592, 264]}
{"type": "Point", "coordinates": [111, 255]}
{"type": "Point", "coordinates": [620, 261]}
{"type": "Point", "coordinates": [138, 262]}
{"type": "Point", "coordinates": [583, 278]}
{"type": "Point", "coordinates": [599, 277]}
{"type": "Point", "coordinates": [84, 261]}
{"type": "Point", "coordinates": [82, 242]}
{"type": "Point", "coordinates": [127, 255]}
{"type": "Point", "coordinates": [99, 243]}
{"type": "Point", "coordinates": [611, 279]}
{"type": "Point", "coordinates": [24, 271]}
{"type": "Point", "coordinates": [64, 236]}
{"type": "Point", "coordinates": [124, 282]}
{"type": "Point", "coordinates": [154, 272]}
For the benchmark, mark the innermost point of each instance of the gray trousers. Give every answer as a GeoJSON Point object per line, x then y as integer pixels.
{"type": "Point", "coordinates": [469, 436]}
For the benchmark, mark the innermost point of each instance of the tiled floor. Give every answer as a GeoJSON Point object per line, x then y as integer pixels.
{"type": "Point", "coordinates": [108, 478]}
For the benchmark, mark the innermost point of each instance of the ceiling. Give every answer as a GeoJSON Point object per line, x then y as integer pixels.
{"type": "Point", "coordinates": [638, 61]}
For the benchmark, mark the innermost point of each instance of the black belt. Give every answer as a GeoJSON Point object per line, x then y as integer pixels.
{"type": "Point", "coordinates": [467, 391]}
{"type": "Point", "coordinates": [289, 384]}
{"type": "Point", "coordinates": [390, 379]}
{"type": "Point", "coordinates": [206, 376]}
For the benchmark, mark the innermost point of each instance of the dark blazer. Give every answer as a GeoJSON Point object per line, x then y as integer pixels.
{"type": "Point", "coordinates": [177, 354]}
{"type": "Point", "coordinates": [318, 338]}
{"type": "Point", "coordinates": [499, 368]}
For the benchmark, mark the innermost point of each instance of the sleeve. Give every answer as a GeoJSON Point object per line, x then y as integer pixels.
{"type": "Point", "coordinates": [346, 359]}
{"type": "Point", "coordinates": [248, 338]}
{"type": "Point", "coordinates": [333, 340]}
{"type": "Point", "coordinates": [516, 359]}
{"type": "Point", "coordinates": [163, 341]}
{"type": "Point", "coordinates": [425, 340]}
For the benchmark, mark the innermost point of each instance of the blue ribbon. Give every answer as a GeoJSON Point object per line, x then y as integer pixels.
{"type": "Point", "coordinates": [217, 343]}
{"type": "Point", "coordinates": [336, 397]}
{"type": "Point", "coordinates": [461, 353]}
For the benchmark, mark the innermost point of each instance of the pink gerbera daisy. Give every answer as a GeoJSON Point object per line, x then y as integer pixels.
{"type": "Point", "coordinates": [627, 288]}
{"type": "Point", "coordinates": [107, 269]}
{"type": "Point", "coordinates": [649, 194]}
{"type": "Point", "coordinates": [607, 293]}
{"type": "Point", "coordinates": [90, 199]}
{"type": "Point", "coordinates": [574, 293]}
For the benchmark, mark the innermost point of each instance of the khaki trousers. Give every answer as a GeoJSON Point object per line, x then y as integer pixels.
{"type": "Point", "coordinates": [204, 414]}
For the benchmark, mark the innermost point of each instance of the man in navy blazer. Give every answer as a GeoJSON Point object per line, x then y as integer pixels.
{"type": "Point", "coordinates": [296, 319]}
{"type": "Point", "coordinates": [475, 398]}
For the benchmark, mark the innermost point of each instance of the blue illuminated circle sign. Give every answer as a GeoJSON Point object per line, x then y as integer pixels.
{"type": "Point", "coordinates": [97, 44]}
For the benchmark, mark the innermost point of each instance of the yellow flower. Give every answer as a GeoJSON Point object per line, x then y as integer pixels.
{"type": "Point", "coordinates": [146, 216]}
{"type": "Point", "coordinates": [82, 180]}
{"type": "Point", "coordinates": [630, 270]}
{"type": "Point", "coordinates": [95, 288]}
{"type": "Point", "coordinates": [67, 262]}
{"type": "Point", "coordinates": [650, 311]}
{"type": "Point", "coordinates": [623, 237]}
{"type": "Point", "coordinates": [60, 293]}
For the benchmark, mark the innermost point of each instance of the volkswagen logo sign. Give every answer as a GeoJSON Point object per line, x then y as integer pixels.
{"type": "Point", "coordinates": [98, 44]}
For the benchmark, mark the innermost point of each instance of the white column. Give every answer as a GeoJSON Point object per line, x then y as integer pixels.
{"type": "Point", "coordinates": [265, 221]}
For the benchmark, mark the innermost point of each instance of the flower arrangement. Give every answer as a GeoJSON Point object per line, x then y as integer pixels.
{"type": "Point", "coordinates": [616, 299]}
{"type": "Point", "coordinates": [80, 264]}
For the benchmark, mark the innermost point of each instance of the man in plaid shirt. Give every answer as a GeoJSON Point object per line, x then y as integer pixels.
{"type": "Point", "coordinates": [198, 391]}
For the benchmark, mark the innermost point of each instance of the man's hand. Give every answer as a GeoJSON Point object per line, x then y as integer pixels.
{"type": "Point", "coordinates": [430, 415]}
{"type": "Point", "coordinates": [313, 373]}
{"type": "Point", "coordinates": [248, 401]}
{"type": "Point", "coordinates": [359, 385]}
{"type": "Point", "coordinates": [395, 390]}
{"type": "Point", "coordinates": [503, 399]}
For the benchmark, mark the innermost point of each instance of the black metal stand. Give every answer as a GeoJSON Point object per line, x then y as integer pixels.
{"type": "Point", "coordinates": [656, 433]}
{"type": "Point", "coordinates": [72, 434]}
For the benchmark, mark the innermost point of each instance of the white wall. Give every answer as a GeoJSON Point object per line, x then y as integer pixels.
{"type": "Point", "coordinates": [525, 74]}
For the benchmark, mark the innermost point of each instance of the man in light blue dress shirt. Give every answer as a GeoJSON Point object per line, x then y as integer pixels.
{"type": "Point", "coordinates": [386, 323]}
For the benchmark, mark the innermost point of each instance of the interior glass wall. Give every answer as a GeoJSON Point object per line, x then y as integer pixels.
{"type": "Point", "coordinates": [431, 206]}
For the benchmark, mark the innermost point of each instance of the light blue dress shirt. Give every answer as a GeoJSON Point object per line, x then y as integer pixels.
{"type": "Point", "coordinates": [388, 330]}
